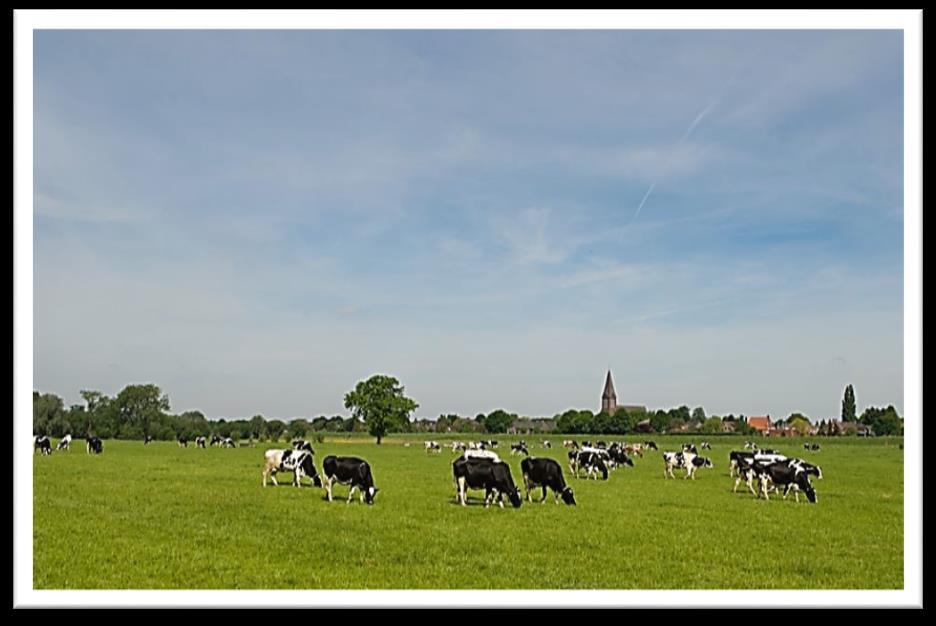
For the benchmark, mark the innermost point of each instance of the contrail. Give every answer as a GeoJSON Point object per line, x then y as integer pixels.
{"type": "Point", "coordinates": [646, 195]}
{"type": "Point", "coordinates": [692, 127]}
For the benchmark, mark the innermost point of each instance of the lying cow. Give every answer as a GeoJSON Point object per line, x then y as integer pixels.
{"type": "Point", "coordinates": [42, 445]}
{"type": "Point", "coordinates": [492, 476]}
{"type": "Point", "coordinates": [95, 445]}
{"type": "Point", "coordinates": [545, 473]}
{"type": "Point", "coordinates": [299, 462]}
{"type": "Point", "coordinates": [349, 470]}
{"type": "Point", "coordinates": [65, 443]}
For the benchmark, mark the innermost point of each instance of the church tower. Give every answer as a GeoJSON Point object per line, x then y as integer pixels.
{"type": "Point", "coordinates": [608, 397]}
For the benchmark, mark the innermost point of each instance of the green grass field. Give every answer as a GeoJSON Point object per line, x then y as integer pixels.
{"type": "Point", "coordinates": [164, 517]}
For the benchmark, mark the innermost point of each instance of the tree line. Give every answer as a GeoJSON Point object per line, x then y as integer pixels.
{"type": "Point", "coordinates": [379, 406]}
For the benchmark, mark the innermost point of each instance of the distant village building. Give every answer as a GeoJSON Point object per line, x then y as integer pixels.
{"type": "Point", "coordinates": [609, 403]}
{"type": "Point", "coordinates": [761, 424]}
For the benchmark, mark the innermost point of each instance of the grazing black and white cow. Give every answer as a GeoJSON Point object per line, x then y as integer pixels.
{"type": "Point", "coordinates": [433, 446]}
{"type": "Point", "coordinates": [299, 462]}
{"type": "Point", "coordinates": [215, 440]}
{"type": "Point", "coordinates": [618, 456]}
{"type": "Point", "coordinates": [814, 447]}
{"type": "Point", "coordinates": [183, 442]}
{"type": "Point", "coordinates": [147, 439]}
{"type": "Point", "coordinates": [705, 445]}
{"type": "Point", "coordinates": [42, 445]}
{"type": "Point", "coordinates": [200, 442]}
{"type": "Point", "coordinates": [545, 473]}
{"type": "Point", "coordinates": [95, 445]}
{"type": "Point", "coordinates": [481, 454]}
{"type": "Point", "coordinates": [459, 446]}
{"type": "Point", "coordinates": [227, 442]}
{"type": "Point", "coordinates": [786, 474]}
{"type": "Point", "coordinates": [302, 444]}
{"type": "Point", "coordinates": [519, 448]}
{"type": "Point", "coordinates": [547, 444]}
{"type": "Point", "coordinates": [650, 445]}
{"type": "Point", "coordinates": [570, 443]}
{"type": "Point", "coordinates": [349, 470]}
{"type": "Point", "coordinates": [65, 443]}
{"type": "Point", "coordinates": [590, 460]}
{"type": "Point", "coordinates": [689, 447]}
{"type": "Point", "coordinates": [492, 476]}
{"type": "Point", "coordinates": [683, 460]}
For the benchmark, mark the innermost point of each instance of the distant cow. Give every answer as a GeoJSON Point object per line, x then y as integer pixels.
{"type": "Point", "coordinates": [433, 446]}
{"type": "Point", "coordinates": [42, 445]}
{"type": "Point", "coordinates": [458, 446]}
{"type": "Point", "coordinates": [589, 460]}
{"type": "Point", "coordinates": [65, 443]}
{"type": "Point", "coordinates": [545, 473]}
{"type": "Point", "coordinates": [650, 445]}
{"type": "Point", "coordinates": [683, 460]}
{"type": "Point", "coordinates": [299, 462]}
{"type": "Point", "coordinates": [570, 443]}
{"type": "Point", "coordinates": [146, 440]}
{"type": "Point", "coordinates": [689, 447]}
{"type": "Point", "coordinates": [706, 445]}
{"type": "Point", "coordinates": [183, 442]}
{"type": "Point", "coordinates": [547, 444]}
{"type": "Point", "coordinates": [492, 476]}
{"type": "Point", "coordinates": [215, 440]}
{"type": "Point", "coordinates": [519, 448]}
{"type": "Point", "coordinates": [227, 442]}
{"type": "Point", "coordinates": [200, 442]}
{"type": "Point", "coordinates": [302, 444]}
{"type": "Point", "coordinates": [349, 470]}
{"type": "Point", "coordinates": [95, 445]}
{"type": "Point", "coordinates": [814, 447]}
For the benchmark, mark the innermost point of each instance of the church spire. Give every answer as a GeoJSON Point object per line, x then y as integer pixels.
{"type": "Point", "coordinates": [608, 396]}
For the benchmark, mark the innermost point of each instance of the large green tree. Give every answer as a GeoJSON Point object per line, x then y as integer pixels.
{"type": "Point", "coordinates": [380, 403]}
{"type": "Point", "coordinates": [848, 405]}
{"type": "Point", "coordinates": [882, 421]}
{"type": "Point", "coordinates": [137, 407]}
{"type": "Point", "coordinates": [498, 421]}
{"type": "Point", "coordinates": [47, 408]}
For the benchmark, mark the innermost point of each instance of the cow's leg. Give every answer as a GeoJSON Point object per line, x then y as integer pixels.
{"type": "Point", "coordinates": [543, 499]}
{"type": "Point", "coordinates": [328, 486]}
{"type": "Point", "coordinates": [350, 493]}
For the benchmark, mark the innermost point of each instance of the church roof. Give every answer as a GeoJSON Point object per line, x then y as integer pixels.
{"type": "Point", "coordinates": [608, 392]}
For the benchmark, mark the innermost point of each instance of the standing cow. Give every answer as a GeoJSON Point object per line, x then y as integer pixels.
{"type": "Point", "coordinates": [65, 443]}
{"type": "Point", "coordinates": [349, 470]}
{"type": "Point", "coordinates": [299, 462]}
{"type": "Point", "coordinates": [95, 445]}
{"type": "Point", "coordinates": [541, 472]}
{"type": "Point", "coordinates": [492, 476]}
{"type": "Point", "coordinates": [42, 445]}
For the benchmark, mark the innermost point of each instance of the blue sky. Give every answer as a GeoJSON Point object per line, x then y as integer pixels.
{"type": "Point", "coordinates": [256, 220]}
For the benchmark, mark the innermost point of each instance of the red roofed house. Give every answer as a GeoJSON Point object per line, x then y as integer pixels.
{"type": "Point", "coordinates": [761, 424]}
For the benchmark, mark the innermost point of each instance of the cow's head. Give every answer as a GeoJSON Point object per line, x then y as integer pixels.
{"type": "Point", "coordinates": [514, 497]}
{"type": "Point", "coordinates": [567, 496]}
{"type": "Point", "coordinates": [369, 494]}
